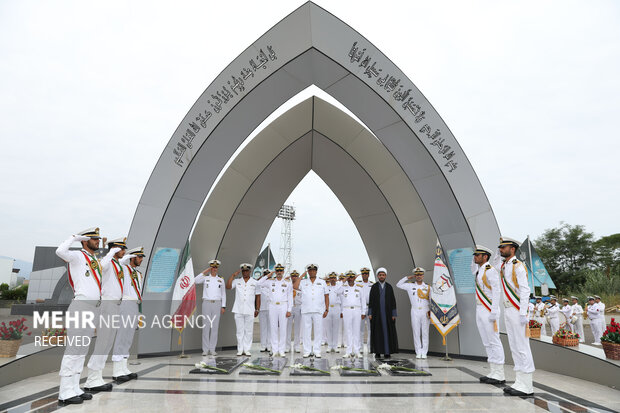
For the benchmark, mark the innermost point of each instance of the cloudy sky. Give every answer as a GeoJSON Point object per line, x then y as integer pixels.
{"type": "Point", "coordinates": [90, 92]}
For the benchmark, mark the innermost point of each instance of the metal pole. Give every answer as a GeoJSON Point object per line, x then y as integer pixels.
{"type": "Point", "coordinates": [529, 246]}
{"type": "Point", "coordinates": [446, 357]}
{"type": "Point", "coordinates": [183, 355]}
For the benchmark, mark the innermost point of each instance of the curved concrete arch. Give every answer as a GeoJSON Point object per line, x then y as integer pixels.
{"type": "Point", "coordinates": [310, 46]}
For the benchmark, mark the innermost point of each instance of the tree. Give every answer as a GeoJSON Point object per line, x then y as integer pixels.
{"type": "Point", "coordinates": [4, 287]}
{"type": "Point", "coordinates": [608, 254]}
{"type": "Point", "coordinates": [567, 251]}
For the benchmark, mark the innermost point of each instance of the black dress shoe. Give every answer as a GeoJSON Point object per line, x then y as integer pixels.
{"type": "Point", "coordinates": [493, 381]}
{"type": "Point", "coordinates": [71, 400]}
{"type": "Point", "coordinates": [484, 379]}
{"type": "Point", "coordinates": [518, 393]}
{"type": "Point", "coordinates": [387, 356]}
{"type": "Point", "coordinates": [85, 396]}
{"type": "Point", "coordinates": [133, 376]}
{"type": "Point", "coordinates": [507, 389]}
{"type": "Point", "coordinates": [121, 379]}
{"type": "Point", "coordinates": [103, 387]}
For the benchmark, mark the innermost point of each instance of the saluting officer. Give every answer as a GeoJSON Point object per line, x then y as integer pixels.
{"type": "Point", "coordinates": [539, 315]}
{"type": "Point", "coordinates": [488, 297]}
{"type": "Point", "coordinates": [353, 303]}
{"type": "Point", "coordinates": [84, 272]}
{"type": "Point", "coordinates": [332, 321]}
{"type": "Point", "coordinates": [295, 318]}
{"type": "Point", "coordinates": [280, 294]}
{"type": "Point", "coordinates": [578, 317]}
{"type": "Point", "coordinates": [419, 295]}
{"type": "Point", "coordinates": [513, 276]}
{"type": "Point", "coordinates": [595, 315]}
{"type": "Point", "coordinates": [112, 295]}
{"type": "Point", "coordinates": [263, 315]}
{"type": "Point", "coordinates": [213, 305]}
{"type": "Point", "coordinates": [246, 307]}
{"type": "Point", "coordinates": [130, 310]}
{"type": "Point", "coordinates": [365, 324]}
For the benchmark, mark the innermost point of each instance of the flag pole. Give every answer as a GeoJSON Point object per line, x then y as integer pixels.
{"type": "Point", "coordinates": [182, 355]}
{"type": "Point", "coordinates": [446, 357]}
{"type": "Point", "coordinates": [529, 247]}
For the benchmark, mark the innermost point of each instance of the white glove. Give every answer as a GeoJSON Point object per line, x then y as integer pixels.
{"type": "Point", "coordinates": [80, 238]}
{"type": "Point", "coordinates": [114, 250]}
{"type": "Point", "coordinates": [523, 319]}
{"type": "Point", "coordinates": [493, 317]}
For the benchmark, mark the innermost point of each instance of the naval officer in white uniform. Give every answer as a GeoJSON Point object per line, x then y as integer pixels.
{"type": "Point", "coordinates": [246, 307]}
{"type": "Point", "coordinates": [213, 305]}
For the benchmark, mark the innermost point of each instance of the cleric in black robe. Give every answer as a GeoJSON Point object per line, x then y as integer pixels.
{"type": "Point", "coordinates": [382, 315]}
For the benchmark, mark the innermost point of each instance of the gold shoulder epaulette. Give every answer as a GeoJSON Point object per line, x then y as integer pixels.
{"type": "Point", "coordinates": [488, 267]}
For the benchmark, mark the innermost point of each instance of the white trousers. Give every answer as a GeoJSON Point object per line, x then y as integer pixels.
{"type": "Point", "coordinates": [578, 328]}
{"type": "Point", "coordinates": [124, 335]}
{"type": "Point", "coordinates": [265, 335]}
{"type": "Point", "coordinates": [597, 332]}
{"type": "Point", "coordinates": [543, 323]}
{"type": "Point", "coordinates": [490, 337]}
{"type": "Point", "coordinates": [245, 331]}
{"type": "Point", "coordinates": [106, 333]}
{"type": "Point", "coordinates": [312, 344]}
{"type": "Point", "coordinates": [364, 325]}
{"type": "Point", "coordinates": [294, 319]}
{"type": "Point", "coordinates": [332, 326]}
{"type": "Point", "coordinates": [77, 344]}
{"type": "Point", "coordinates": [554, 323]}
{"type": "Point", "coordinates": [278, 321]}
{"type": "Point", "coordinates": [211, 310]}
{"type": "Point", "coordinates": [419, 325]}
{"type": "Point", "coordinates": [340, 332]}
{"type": "Point", "coordinates": [352, 318]}
{"type": "Point", "coordinates": [519, 343]}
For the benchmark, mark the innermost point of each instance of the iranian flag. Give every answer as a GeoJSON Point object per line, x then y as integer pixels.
{"type": "Point", "coordinates": [444, 313]}
{"type": "Point", "coordinates": [184, 295]}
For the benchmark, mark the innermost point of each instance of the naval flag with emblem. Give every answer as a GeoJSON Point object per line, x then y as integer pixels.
{"type": "Point", "coordinates": [444, 313]}
{"type": "Point", "coordinates": [184, 295]}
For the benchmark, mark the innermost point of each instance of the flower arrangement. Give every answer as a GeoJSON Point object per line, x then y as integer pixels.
{"type": "Point", "coordinates": [340, 367]}
{"type": "Point", "coordinates": [561, 333]}
{"type": "Point", "coordinates": [535, 324]}
{"type": "Point", "coordinates": [54, 332]}
{"type": "Point", "coordinates": [566, 338]}
{"type": "Point", "coordinates": [300, 366]}
{"type": "Point", "coordinates": [203, 365]}
{"type": "Point", "coordinates": [257, 367]}
{"type": "Point", "coordinates": [14, 331]}
{"type": "Point", "coordinates": [386, 366]}
{"type": "Point", "coordinates": [611, 340]}
{"type": "Point", "coordinates": [612, 333]}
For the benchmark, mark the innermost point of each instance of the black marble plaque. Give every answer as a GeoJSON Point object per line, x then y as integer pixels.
{"type": "Point", "coordinates": [405, 365]}
{"type": "Point", "coordinates": [321, 364]}
{"type": "Point", "coordinates": [352, 367]}
{"type": "Point", "coordinates": [266, 366]}
{"type": "Point", "coordinates": [224, 363]}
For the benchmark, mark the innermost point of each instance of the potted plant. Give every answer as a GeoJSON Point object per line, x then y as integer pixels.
{"type": "Point", "coordinates": [566, 338]}
{"type": "Point", "coordinates": [611, 340]}
{"type": "Point", "coordinates": [535, 329]}
{"type": "Point", "coordinates": [54, 337]}
{"type": "Point", "coordinates": [11, 337]}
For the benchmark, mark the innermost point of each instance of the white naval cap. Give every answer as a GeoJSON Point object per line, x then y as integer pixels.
{"type": "Point", "coordinates": [509, 241]}
{"type": "Point", "coordinates": [481, 249]}
{"type": "Point", "coordinates": [118, 242]}
{"type": "Point", "coordinates": [138, 251]}
{"type": "Point", "coordinates": [312, 267]}
{"type": "Point", "coordinates": [418, 270]}
{"type": "Point", "coordinates": [245, 266]}
{"type": "Point", "coordinates": [90, 233]}
{"type": "Point", "coordinates": [215, 263]}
